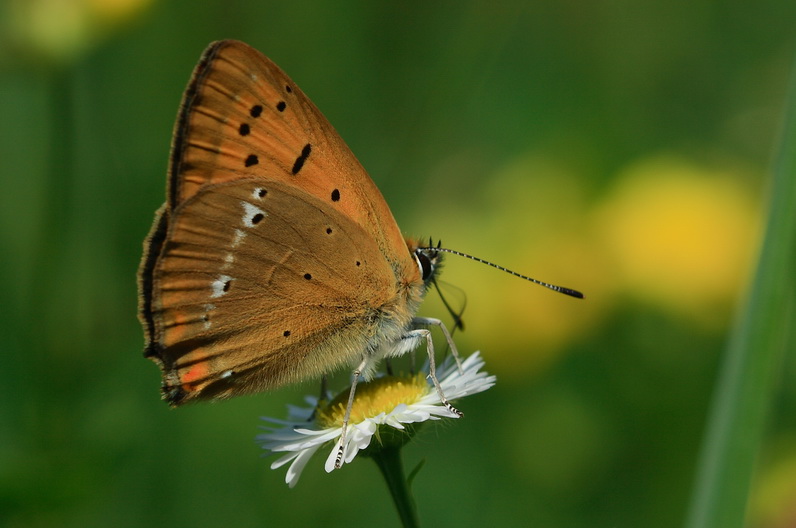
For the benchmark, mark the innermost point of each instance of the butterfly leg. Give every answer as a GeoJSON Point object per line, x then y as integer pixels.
{"type": "Point", "coordinates": [323, 399]}
{"type": "Point", "coordinates": [432, 367]}
{"type": "Point", "coordinates": [338, 461]}
{"type": "Point", "coordinates": [430, 321]}
{"type": "Point", "coordinates": [324, 388]}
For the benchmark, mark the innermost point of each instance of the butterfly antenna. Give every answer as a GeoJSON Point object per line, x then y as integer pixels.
{"type": "Point", "coordinates": [559, 289]}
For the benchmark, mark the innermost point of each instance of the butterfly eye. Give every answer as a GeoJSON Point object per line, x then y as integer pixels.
{"type": "Point", "coordinates": [427, 262]}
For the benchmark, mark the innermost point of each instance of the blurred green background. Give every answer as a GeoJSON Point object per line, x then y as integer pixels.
{"type": "Point", "coordinates": [615, 147]}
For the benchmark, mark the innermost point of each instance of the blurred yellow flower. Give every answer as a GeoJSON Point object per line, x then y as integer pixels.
{"type": "Point", "coordinates": [669, 233]}
{"type": "Point", "coordinates": [528, 216]}
{"type": "Point", "coordinates": [60, 30]}
{"type": "Point", "coordinates": [680, 236]}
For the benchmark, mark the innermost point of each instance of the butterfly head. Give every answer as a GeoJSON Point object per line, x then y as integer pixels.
{"type": "Point", "coordinates": [428, 258]}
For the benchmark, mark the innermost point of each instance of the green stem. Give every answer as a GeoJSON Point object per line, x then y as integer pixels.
{"type": "Point", "coordinates": [754, 355]}
{"type": "Point", "coordinates": [388, 458]}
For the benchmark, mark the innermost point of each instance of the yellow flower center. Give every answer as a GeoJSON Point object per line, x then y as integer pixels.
{"type": "Point", "coordinates": [371, 399]}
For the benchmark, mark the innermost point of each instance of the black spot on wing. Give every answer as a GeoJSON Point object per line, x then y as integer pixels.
{"type": "Point", "coordinates": [305, 153]}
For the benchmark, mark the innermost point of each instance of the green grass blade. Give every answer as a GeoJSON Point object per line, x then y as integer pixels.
{"type": "Point", "coordinates": [754, 355]}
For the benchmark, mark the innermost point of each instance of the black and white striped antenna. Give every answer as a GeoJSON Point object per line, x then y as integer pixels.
{"type": "Point", "coordinates": [559, 289]}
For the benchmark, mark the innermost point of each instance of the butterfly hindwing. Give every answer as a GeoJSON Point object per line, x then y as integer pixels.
{"type": "Point", "coordinates": [284, 292]}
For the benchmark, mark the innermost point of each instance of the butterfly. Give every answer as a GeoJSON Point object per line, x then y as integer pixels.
{"type": "Point", "coordinates": [275, 258]}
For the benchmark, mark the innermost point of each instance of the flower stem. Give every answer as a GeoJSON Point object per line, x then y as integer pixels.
{"type": "Point", "coordinates": [388, 458]}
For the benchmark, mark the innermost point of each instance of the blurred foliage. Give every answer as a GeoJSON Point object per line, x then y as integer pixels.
{"type": "Point", "coordinates": [614, 147]}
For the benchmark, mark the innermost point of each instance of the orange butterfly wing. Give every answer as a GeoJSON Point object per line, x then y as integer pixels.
{"type": "Point", "coordinates": [271, 129]}
{"type": "Point", "coordinates": [275, 257]}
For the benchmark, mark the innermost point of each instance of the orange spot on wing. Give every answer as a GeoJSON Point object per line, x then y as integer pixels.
{"type": "Point", "coordinates": [194, 376]}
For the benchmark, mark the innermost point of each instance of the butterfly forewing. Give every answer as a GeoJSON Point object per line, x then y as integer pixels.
{"type": "Point", "coordinates": [243, 115]}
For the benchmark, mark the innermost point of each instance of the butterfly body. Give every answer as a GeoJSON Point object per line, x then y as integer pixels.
{"type": "Point", "coordinates": [275, 258]}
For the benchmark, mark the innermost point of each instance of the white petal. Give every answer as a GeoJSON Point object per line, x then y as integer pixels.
{"type": "Point", "coordinates": [295, 469]}
{"type": "Point", "coordinates": [281, 461]}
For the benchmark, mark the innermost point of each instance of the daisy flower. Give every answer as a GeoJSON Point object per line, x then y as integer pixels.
{"type": "Point", "coordinates": [385, 405]}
